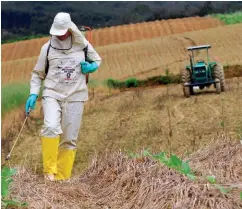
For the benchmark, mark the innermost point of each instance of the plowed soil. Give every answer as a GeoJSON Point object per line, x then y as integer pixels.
{"type": "Point", "coordinates": [117, 34]}
{"type": "Point", "coordinates": [142, 58]}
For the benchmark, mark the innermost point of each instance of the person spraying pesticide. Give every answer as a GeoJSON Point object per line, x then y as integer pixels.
{"type": "Point", "coordinates": [63, 68]}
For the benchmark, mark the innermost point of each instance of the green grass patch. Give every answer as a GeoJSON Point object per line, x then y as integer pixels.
{"type": "Point", "coordinates": [13, 96]}
{"type": "Point", "coordinates": [229, 18]}
{"type": "Point", "coordinates": [16, 94]}
{"type": "Point", "coordinates": [168, 78]}
{"type": "Point", "coordinates": [133, 82]}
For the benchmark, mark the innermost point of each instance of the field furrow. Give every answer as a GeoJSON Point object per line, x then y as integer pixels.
{"type": "Point", "coordinates": [117, 34]}
{"type": "Point", "coordinates": [150, 58]}
{"type": "Point", "coordinates": [153, 57]}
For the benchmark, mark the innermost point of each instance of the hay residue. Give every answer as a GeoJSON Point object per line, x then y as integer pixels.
{"type": "Point", "coordinates": [119, 182]}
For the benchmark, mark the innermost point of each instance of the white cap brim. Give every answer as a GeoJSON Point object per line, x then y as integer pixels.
{"type": "Point", "coordinates": [57, 32]}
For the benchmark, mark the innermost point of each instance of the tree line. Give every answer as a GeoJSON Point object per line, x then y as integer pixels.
{"type": "Point", "coordinates": [35, 18]}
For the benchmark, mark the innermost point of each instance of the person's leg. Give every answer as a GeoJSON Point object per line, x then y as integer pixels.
{"type": "Point", "coordinates": [70, 124]}
{"type": "Point", "coordinates": [50, 136]}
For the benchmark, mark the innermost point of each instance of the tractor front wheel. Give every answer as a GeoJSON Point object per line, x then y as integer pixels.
{"type": "Point", "coordinates": [186, 78]}
{"type": "Point", "coordinates": [219, 74]}
{"type": "Point", "coordinates": [186, 91]}
{"type": "Point", "coordinates": [218, 87]}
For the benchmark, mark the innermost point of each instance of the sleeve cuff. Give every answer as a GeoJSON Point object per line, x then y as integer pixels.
{"type": "Point", "coordinates": [34, 91]}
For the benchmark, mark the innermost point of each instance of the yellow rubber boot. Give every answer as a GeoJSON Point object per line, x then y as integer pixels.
{"type": "Point", "coordinates": [49, 154]}
{"type": "Point", "coordinates": [65, 162]}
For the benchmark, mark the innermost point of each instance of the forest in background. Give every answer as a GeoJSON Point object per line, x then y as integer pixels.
{"type": "Point", "coordinates": [35, 18]}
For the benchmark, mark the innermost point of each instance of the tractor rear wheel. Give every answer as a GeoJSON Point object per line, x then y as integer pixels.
{"type": "Point", "coordinates": [186, 78]}
{"type": "Point", "coordinates": [219, 74]}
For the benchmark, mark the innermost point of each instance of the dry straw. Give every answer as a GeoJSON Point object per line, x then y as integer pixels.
{"type": "Point", "coordinates": [119, 182]}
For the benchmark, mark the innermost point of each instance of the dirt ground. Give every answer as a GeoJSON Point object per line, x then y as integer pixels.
{"type": "Point", "coordinates": [115, 124]}
{"type": "Point", "coordinates": [160, 118]}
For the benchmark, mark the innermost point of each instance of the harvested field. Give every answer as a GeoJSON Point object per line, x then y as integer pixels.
{"type": "Point", "coordinates": [22, 49]}
{"type": "Point", "coordinates": [117, 34]}
{"type": "Point", "coordinates": [117, 181]}
{"type": "Point", "coordinates": [159, 117]}
{"type": "Point", "coordinates": [142, 59]}
{"type": "Point", "coordinates": [17, 70]}
{"type": "Point", "coordinates": [147, 30]}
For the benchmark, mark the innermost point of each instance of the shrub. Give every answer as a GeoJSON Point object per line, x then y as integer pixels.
{"type": "Point", "coordinates": [131, 82]}
{"type": "Point", "coordinates": [165, 80]}
{"type": "Point", "coordinates": [111, 83]}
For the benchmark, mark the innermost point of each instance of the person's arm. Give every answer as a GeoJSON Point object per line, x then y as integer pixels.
{"type": "Point", "coordinates": [92, 55]}
{"type": "Point", "coordinates": [38, 75]}
{"type": "Point", "coordinates": [93, 60]}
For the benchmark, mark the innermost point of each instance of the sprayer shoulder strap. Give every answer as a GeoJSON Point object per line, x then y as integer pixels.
{"type": "Point", "coordinates": [85, 52]}
{"type": "Point", "coordinates": [47, 60]}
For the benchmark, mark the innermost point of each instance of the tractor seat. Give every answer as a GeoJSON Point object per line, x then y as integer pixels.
{"type": "Point", "coordinates": [201, 61]}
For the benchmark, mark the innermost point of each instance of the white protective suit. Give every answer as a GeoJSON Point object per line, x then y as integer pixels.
{"type": "Point", "coordinates": [64, 94]}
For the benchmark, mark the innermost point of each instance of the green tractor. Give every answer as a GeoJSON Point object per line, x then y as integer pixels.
{"type": "Point", "coordinates": [201, 74]}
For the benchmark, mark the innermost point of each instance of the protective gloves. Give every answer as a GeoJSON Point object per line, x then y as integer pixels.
{"type": "Point", "coordinates": [31, 102]}
{"type": "Point", "coordinates": [87, 67]}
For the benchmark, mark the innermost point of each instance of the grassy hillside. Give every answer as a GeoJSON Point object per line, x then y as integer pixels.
{"type": "Point", "coordinates": [230, 18]}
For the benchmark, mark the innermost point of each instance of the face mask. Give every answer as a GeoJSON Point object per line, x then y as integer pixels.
{"type": "Point", "coordinates": [55, 42]}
